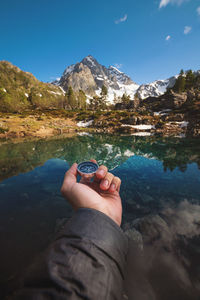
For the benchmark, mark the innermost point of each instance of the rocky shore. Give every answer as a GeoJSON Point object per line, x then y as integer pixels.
{"type": "Point", "coordinates": [164, 122]}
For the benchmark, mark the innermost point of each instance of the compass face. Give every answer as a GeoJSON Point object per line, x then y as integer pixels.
{"type": "Point", "coordinates": [87, 167]}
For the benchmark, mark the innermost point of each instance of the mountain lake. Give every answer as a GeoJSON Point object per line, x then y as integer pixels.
{"type": "Point", "coordinates": [160, 192]}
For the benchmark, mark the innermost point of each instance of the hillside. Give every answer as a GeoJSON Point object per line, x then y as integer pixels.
{"type": "Point", "coordinates": [20, 90]}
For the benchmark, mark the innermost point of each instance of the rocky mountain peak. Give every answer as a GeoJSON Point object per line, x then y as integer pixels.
{"type": "Point", "coordinates": [89, 61]}
{"type": "Point", "coordinates": [120, 76]}
{"type": "Point", "coordinates": [89, 75]}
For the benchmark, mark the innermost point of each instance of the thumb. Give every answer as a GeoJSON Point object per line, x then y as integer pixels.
{"type": "Point", "coordinates": [70, 178]}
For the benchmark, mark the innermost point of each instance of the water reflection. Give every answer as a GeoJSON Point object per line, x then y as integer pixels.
{"type": "Point", "coordinates": [160, 192]}
{"type": "Point", "coordinates": [111, 150]}
{"type": "Point", "coordinates": [163, 261]}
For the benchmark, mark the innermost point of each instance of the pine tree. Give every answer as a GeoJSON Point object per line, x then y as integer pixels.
{"type": "Point", "coordinates": [116, 99]}
{"type": "Point", "coordinates": [71, 98]}
{"type": "Point", "coordinates": [136, 97]}
{"type": "Point", "coordinates": [94, 103]}
{"type": "Point", "coordinates": [125, 99]}
{"type": "Point", "coordinates": [104, 91]}
{"type": "Point", "coordinates": [179, 86]}
{"type": "Point", "coordinates": [189, 80]}
{"type": "Point", "coordinates": [82, 100]}
{"type": "Point", "coordinates": [197, 82]}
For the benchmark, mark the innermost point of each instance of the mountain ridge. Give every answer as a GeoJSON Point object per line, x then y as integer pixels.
{"type": "Point", "coordinates": [116, 81]}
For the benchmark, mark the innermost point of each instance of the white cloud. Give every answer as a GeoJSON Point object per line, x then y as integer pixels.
{"type": "Point", "coordinates": [187, 29]}
{"type": "Point", "coordinates": [198, 10]}
{"type": "Point", "coordinates": [123, 19]}
{"type": "Point", "coordinates": [164, 3]}
{"type": "Point", "coordinates": [55, 78]}
{"type": "Point", "coordinates": [168, 38]}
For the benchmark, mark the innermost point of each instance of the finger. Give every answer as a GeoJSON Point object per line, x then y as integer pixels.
{"type": "Point", "coordinates": [100, 173]}
{"type": "Point", "coordinates": [93, 160]}
{"type": "Point", "coordinates": [106, 181]}
{"type": "Point", "coordinates": [115, 185]}
{"type": "Point", "coordinates": [70, 178]}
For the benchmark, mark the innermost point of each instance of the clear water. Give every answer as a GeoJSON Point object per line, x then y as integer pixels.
{"type": "Point", "coordinates": [160, 179]}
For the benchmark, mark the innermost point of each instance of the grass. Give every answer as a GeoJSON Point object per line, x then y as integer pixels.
{"type": "Point", "coordinates": [3, 130]}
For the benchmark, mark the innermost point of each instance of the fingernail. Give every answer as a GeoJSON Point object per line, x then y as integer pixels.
{"type": "Point", "coordinates": [101, 172]}
{"type": "Point", "coordinates": [105, 183]}
{"type": "Point", "coordinates": [113, 186]}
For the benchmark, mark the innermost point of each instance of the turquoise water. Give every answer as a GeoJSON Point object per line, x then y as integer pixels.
{"type": "Point", "coordinates": [160, 177]}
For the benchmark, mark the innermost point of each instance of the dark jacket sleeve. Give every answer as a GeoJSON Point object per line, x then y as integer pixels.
{"type": "Point", "coordinates": [86, 261]}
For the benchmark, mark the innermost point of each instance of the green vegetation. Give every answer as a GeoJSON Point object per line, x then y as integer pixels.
{"type": "Point", "coordinates": [3, 130]}
{"type": "Point", "coordinates": [125, 99]}
{"type": "Point", "coordinates": [186, 81]}
{"type": "Point", "coordinates": [20, 91]}
{"type": "Point", "coordinates": [81, 100]}
{"type": "Point", "coordinates": [72, 101]}
{"type": "Point", "coordinates": [104, 90]}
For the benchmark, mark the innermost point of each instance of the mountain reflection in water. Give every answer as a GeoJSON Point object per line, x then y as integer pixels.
{"type": "Point", "coordinates": [161, 212]}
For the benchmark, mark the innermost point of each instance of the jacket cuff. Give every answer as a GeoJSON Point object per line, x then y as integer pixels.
{"type": "Point", "coordinates": [96, 227]}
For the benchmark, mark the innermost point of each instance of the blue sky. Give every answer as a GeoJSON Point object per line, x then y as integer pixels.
{"type": "Point", "coordinates": [147, 39]}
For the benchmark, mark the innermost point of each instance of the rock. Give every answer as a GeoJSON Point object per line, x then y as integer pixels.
{"type": "Point", "coordinates": [194, 128]}
{"type": "Point", "coordinates": [191, 95]}
{"type": "Point", "coordinates": [175, 117]}
{"type": "Point", "coordinates": [169, 100]}
{"type": "Point", "coordinates": [80, 79]}
{"type": "Point", "coordinates": [130, 121]}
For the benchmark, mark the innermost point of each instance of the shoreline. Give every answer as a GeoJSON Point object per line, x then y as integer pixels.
{"type": "Point", "coordinates": [42, 125]}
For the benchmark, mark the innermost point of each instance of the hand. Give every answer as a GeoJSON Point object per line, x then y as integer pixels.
{"type": "Point", "coordinates": [102, 194]}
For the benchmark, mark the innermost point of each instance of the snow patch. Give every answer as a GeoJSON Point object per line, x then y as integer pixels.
{"type": "Point", "coordinates": [182, 124]}
{"type": "Point", "coordinates": [129, 153]}
{"type": "Point", "coordinates": [85, 124]}
{"type": "Point", "coordinates": [140, 127]}
{"type": "Point", "coordinates": [62, 90]}
{"type": "Point", "coordinates": [162, 112]}
{"type": "Point", "coordinates": [88, 58]}
{"type": "Point", "coordinates": [142, 133]}
{"type": "Point", "coordinates": [84, 134]}
{"type": "Point", "coordinates": [129, 90]}
{"type": "Point", "coordinates": [55, 93]}
{"type": "Point", "coordinates": [109, 148]}
{"type": "Point", "coordinates": [68, 70]}
{"type": "Point", "coordinates": [115, 69]}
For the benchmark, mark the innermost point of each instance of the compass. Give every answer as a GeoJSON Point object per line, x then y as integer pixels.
{"type": "Point", "coordinates": [87, 168]}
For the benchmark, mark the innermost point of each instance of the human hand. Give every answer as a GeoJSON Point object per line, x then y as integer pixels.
{"type": "Point", "coordinates": [102, 194]}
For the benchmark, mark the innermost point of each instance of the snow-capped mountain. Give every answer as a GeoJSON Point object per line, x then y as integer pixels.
{"type": "Point", "coordinates": [156, 88]}
{"type": "Point", "coordinates": [89, 76]}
